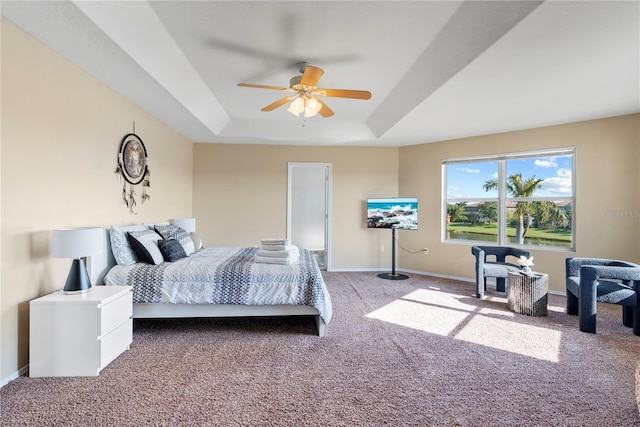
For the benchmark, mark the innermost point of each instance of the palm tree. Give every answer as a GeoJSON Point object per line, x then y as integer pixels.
{"type": "Point", "coordinates": [517, 187]}
{"type": "Point", "coordinates": [457, 211]}
{"type": "Point", "coordinates": [551, 216]}
{"type": "Point", "coordinates": [488, 210]}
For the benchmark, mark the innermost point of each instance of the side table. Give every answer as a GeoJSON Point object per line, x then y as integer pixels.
{"type": "Point", "coordinates": [527, 294]}
{"type": "Point", "coordinates": [79, 335]}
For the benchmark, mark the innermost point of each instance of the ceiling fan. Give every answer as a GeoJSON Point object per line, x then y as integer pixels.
{"type": "Point", "coordinates": [305, 93]}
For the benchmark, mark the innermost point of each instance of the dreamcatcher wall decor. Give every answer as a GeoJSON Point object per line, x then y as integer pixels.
{"type": "Point", "coordinates": [133, 167]}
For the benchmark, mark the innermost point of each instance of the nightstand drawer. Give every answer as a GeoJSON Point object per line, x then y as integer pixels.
{"type": "Point", "coordinates": [114, 313]}
{"type": "Point", "coordinates": [115, 342]}
{"type": "Point", "coordinates": [79, 334]}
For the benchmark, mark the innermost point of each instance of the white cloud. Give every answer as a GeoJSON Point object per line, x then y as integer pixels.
{"type": "Point", "coordinates": [560, 185]}
{"type": "Point", "coordinates": [452, 195]}
{"type": "Point", "coordinates": [551, 162]}
{"type": "Point", "coordinates": [468, 170]}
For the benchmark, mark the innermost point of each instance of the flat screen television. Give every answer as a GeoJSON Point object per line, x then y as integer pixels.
{"type": "Point", "coordinates": [400, 213]}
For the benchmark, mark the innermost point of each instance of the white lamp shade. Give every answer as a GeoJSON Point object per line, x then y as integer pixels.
{"type": "Point", "coordinates": [296, 107]}
{"type": "Point", "coordinates": [312, 107]}
{"type": "Point", "coordinates": [77, 242]}
{"type": "Point", "coordinates": [187, 224]}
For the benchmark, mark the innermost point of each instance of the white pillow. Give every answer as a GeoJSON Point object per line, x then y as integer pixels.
{"type": "Point", "coordinates": [197, 241]}
{"type": "Point", "coordinates": [120, 246]}
{"type": "Point", "coordinates": [145, 245]}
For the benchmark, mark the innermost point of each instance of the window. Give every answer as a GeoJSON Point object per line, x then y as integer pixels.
{"type": "Point", "coordinates": [511, 199]}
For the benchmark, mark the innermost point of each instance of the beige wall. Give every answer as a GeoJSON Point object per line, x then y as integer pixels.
{"type": "Point", "coordinates": [607, 182]}
{"type": "Point", "coordinates": [240, 196]}
{"type": "Point", "coordinates": [61, 131]}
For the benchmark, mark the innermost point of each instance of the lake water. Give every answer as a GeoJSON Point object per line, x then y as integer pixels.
{"type": "Point", "coordinates": [494, 239]}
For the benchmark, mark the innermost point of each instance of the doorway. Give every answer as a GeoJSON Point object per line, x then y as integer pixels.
{"type": "Point", "coordinates": [308, 208]}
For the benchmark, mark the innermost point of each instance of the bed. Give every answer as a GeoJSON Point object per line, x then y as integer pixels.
{"type": "Point", "coordinates": [218, 282]}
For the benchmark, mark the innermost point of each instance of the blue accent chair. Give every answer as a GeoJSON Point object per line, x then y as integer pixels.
{"type": "Point", "coordinates": [586, 285]}
{"type": "Point", "coordinates": [491, 261]}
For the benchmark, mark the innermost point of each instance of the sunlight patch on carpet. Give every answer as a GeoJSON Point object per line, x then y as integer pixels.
{"type": "Point", "coordinates": [460, 317]}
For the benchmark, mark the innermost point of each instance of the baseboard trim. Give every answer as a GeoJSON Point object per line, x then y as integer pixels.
{"type": "Point", "coordinates": [15, 375]}
{"type": "Point", "coordinates": [403, 270]}
{"type": "Point", "coordinates": [354, 270]}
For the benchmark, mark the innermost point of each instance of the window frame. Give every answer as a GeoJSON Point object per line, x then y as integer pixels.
{"type": "Point", "coordinates": [503, 199]}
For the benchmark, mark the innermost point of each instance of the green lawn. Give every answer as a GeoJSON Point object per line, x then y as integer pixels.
{"type": "Point", "coordinates": [492, 230]}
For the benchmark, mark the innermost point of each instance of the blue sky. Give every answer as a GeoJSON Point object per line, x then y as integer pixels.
{"type": "Point", "coordinates": [466, 180]}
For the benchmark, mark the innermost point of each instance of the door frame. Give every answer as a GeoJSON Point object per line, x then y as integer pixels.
{"type": "Point", "coordinates": [327, 195]}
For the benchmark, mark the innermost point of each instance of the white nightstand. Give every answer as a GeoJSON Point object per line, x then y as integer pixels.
{"type": "Point", "coordinates": [78, 335]}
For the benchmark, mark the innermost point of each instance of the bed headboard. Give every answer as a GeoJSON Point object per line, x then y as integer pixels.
{"type": "Point", "coordinates": [99, 265]}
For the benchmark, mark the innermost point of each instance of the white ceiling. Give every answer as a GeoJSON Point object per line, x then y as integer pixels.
{"type": "Point", "coordinates": [437, 70]}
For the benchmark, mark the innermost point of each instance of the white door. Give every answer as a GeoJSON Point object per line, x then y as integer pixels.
{"type": "Point", "coordinates": [308, 209]}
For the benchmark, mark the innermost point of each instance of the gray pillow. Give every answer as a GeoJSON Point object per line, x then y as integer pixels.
{"type": "Point", "coordinates": [172, 231]}
{"type": "Point", "coordinates": [171, 250]}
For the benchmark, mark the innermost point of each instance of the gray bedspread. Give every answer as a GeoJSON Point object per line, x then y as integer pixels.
{"type": "Point", "coordinates": [227, 276]}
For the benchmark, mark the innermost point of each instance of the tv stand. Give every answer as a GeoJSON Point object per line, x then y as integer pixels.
{"type": "Point", "coordinates": [393, 275]}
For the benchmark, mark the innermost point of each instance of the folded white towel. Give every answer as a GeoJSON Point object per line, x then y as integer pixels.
{"type": "Point", "coordinates": [275, 260]}
{"type": "Point", "coordinates": [291, 250]}
{"type": "Point", "coordinates": [275, 247]}
{"type": "Point", "coordinates": [275, 241]}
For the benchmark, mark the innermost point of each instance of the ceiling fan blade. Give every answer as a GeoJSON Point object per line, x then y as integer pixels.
{"type": "Point", "coordinates": [325, 111]}
{"type": "Point", "coordinates": [345, 93]}
{"type": "Point", "coordinates": [277, 104]}
{"type": "Point", "coordinates": [262, 86]}
{"type": "Point", "coordinates": [311, 75]}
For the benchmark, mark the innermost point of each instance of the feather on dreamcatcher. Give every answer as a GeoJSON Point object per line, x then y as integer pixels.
{"type": "Point", "coordinates": [133, 167]}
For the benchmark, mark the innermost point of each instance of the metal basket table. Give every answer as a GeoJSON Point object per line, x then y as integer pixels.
{"type": "Point", "coordinates": [527, 294]}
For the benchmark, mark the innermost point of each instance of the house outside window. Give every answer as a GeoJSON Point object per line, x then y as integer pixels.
{"type": "Point", "coordinates": [516, 199]}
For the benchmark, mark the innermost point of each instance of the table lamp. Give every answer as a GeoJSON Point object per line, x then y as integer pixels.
{"type": "Point", "coordinates": [77, 243]}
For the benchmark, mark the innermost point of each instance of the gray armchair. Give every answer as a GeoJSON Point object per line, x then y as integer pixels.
{"type": "Point", "coordinates": [586, 286]}
{"type": "Point", "coordinates": [491, 261]}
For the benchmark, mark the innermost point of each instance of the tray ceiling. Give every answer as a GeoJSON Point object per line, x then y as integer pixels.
{"type": "Point", "coordinates": [436, 70]}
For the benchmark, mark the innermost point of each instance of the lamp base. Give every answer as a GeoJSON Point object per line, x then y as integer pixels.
{"type": "Point", "coordinates": [78, 281]}
{"type": "Point", "coordinates": [393, 276]}
{"type": "Point", "coordinates": [81, 291]}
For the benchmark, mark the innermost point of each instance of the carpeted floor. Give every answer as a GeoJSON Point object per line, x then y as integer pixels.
{"type": "Point", "coordinates": [419, 352]}
{"type": "Point", "coordinates": [638, 386]}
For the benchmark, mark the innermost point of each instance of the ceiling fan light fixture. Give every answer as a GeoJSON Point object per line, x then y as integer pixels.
{"type": "Point", "coordinates": [296, 107]}
{"type": "Point", "coordinates": [312, 107]}
{"type": "Point", "coordinates": [304, 92]}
